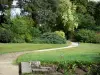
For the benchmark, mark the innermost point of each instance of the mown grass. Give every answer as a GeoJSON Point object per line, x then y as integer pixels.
{"type": "Point", "coordinates": [85, 52]}
{"type": "Point", "coordinates": [12, 47]}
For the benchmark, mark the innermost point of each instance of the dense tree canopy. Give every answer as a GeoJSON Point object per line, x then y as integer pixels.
{"type": "Point", "coordinates": [67, 11]}
{"type": "Point", "coordinates": [39, 17]}
{"type": "Point", "coordinates": [97, 14]}
{"type": "Point", "coordinates": [44, 12]}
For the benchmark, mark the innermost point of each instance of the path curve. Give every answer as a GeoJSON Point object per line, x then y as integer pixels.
{"type": "Point", "coordinates": [6, 66]}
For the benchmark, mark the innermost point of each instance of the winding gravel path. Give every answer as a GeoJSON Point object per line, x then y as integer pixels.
{"type": "Point", "coordinates": [6, 66]}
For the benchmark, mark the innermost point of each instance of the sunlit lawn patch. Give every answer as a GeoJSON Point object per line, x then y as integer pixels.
{"type": "Point", "coordinates": [85, 52]}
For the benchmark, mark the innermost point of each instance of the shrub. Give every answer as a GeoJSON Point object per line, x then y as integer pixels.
{"type": "Point", "coordinates": [5, 36]}
{"type": "Point", "coordinates": [53, 38]}
{"type": "Point", "coordinates": [18, 39]}
{"type": "Point", "coordinates": [85, 35]}
{"type": "Point", "coordinates": [28, 38]}
{"type": "Point", "coordinates": [97, 28]}
{"type": "Point", "coordinates": [20, 25]}
{"type": "Point", "coordinates": [97, 38]}
{"type": "Point", "coordinates": [35, 32]}
{"type": "Point", "coordinates": [21, 28]}
{"type": "Point", "coordinates": [60, 33]}
{"type": "Point", "coordinates": [38, 41]}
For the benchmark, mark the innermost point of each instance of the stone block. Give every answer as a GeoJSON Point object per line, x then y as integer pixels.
{"type": "Point", "coordinates": [35, 64]}
{"type": "Point", "coordinates": [25, 67]}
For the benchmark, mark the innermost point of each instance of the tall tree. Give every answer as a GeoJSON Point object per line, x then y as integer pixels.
{"type": "Point", "coordinates": [43, 12]}
{"type": "Point", "coordinates": [4, 5]}
{"type": "Point", "coordinates": [67, 12]}
{"type": "Point", "coordinates": [97, 14]}
{"type": "Point", "coordinates": [86, 21]}
{"type": "Point", "coordinates": [81, 5]}
{"type": "Point", "coordinates": [91, 8]}
{"type": "Point", "coordinates": [68, 15]}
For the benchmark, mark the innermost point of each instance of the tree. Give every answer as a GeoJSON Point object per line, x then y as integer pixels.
{"type": "Point", "coordinates": [82, 2]}
{"type": "Point", "coordinates": [67, 12]}
{"type": "Point", "coordinates": [5, 35]}
{"type": "Point", "coordinates": [86, 21]}
{"type": "Point", "coordinates": [21, 28]}
{"type": "Point", "coordinates": [44, 12]}
{"type": "Point", "coordinates": [81, 5]}
{"type": "Point", "coordinates": [68, 15]}
{"type": "Point", "coordinates": [97, 14]}
{"type": "Point", "coordinates": [5, 5]}
{"type": "Point", "coordinates": [91, 8]}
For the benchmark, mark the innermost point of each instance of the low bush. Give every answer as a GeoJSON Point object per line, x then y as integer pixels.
{"type": "Point", "coordinates": [5, 35]}
{"type": "Point", "coordinates": [19, 39]}
{"type": "Point", "coordinates": [72, 67]}
{"type": "Point", "coordinates": [97, 28]}
{"type": "Point", "coordinates": [53, 38]}
{"type": "Point", "coordinates": [38, 41]}
{"type": "Point", "coordinates": [35, 32]}
{"type": "Point", "coordinates": [60, 33]}
{"type": "Point", "coordinates": [28, 38]}
{"type": "Point", "coordinates": [85, 35]}
{"type": "Point", "coordinates": [97, 38]}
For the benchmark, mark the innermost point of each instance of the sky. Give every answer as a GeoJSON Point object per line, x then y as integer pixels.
{"type": "Point", "coordinates": [14, 3]}
{"type": "Point", "coordinates": [15, 11]}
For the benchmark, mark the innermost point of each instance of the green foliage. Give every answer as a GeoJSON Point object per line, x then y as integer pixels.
{"type": "Point", "coordinates": [44, 12]}
{"type": "Point", "coordinates": [50, 38]}
{"type": "Point", "coordinates": [35, 32]}
{"type": "Point", "coordinates": [82, 2]}
{"type": "Point", "coordinates": [49, 16]}
{"type": "Point", "coordinates": [86, 21]}
{"type": "Point", "coordinates": [97, 28]}
{"type": "Point", "coordinates": [21, 25]}
{"type": "Point", "coordinates": [28, 38]}
{"type": "Point", "coordinates": [91, 8]}
{"type": "Point", "coordinates": [5, 35]}
{"type": "Point", "coordinates": [53, 38]}
{"type": "Point", "coordinates": [60, 33]}
{"type": "Point", "coordinates": [39, 41]}
{"type": "Point", "coordinates": [97, 38]}
{"type": "Point", "coordinates": [87, 68]}
{"type": "Point", "coordinates": [85, 35]}
{"type": "Point", "coordinates": [94, 69]}
{"type": "Point", "coordinates": [18, 38]}
{"type": "Point", "coordinates": [81, 5]}
{"type": "Point", "coordinates": [7, 2]}
{"type": "Point", "coordinates": [97, 13]}
{"type": "Point", "coordinates": [81, 9]}
{"type": "Point", "coordinates": [21, 28]}
{"type": "Point", "coordinates": [67, 12]}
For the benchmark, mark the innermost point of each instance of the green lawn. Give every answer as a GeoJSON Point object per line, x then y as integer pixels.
{"type": "Point", "coordinates": [85, 52]}
{"type": "Point", "coordinates": [6, 48]}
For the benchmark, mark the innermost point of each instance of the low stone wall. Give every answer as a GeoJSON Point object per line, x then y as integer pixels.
{"type": "Point", "coordinates": [36, 68]}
